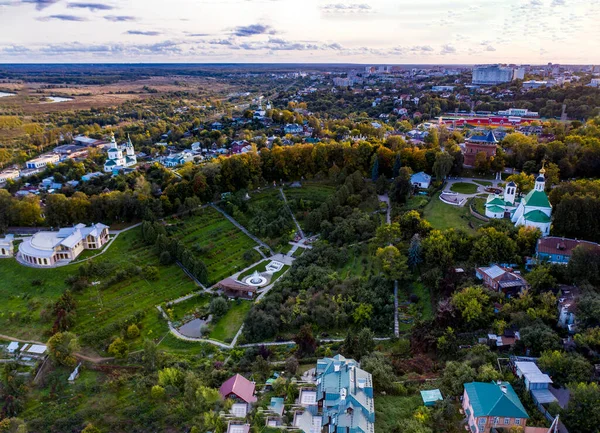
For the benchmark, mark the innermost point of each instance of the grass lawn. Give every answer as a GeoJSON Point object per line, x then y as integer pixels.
{"type": "Point", "coordinates": [22, 302]}
{"type": "Point", "coordinates": [221, 246]}
{"type": "Point", "coordinates": [416, 202]}
{"type": "Point", "coordinates": [443, 216]}
{"type": "Point", "coordinates": [228, 325]}
{"type": "Point", "coordinates": [464, 188]}
{"type": "Point", "coordinates": [260, 267]}
{"type": "Point", "coordinates": [483, 182]}
{"type": "Point", "coordinates": [479, 205]}
{"type": "Point", "coordinates": [298, 252]}
{"type": "Point", "coordinates": [390, 408]}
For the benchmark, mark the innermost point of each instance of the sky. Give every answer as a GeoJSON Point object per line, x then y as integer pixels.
{"type": "Point", "coordinates": [301, 31]}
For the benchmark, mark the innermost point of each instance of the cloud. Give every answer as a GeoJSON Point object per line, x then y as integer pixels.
{"type": "Point", "coordinates": [558, 3]}
{"type": "Point", "coordinates": [119, 18]}
{"type": "Point", "coordinates": [346, 7]}
{"type": "Point", "coordinates": [143, 32]}
{"type": "Point", "coordinates": [253, 30]}
{"type": "Point", "coordinates": [91, 6]}
{"type": "Point", "coordinates": [490, 48]}
{"type": "Point", "coordinates": [447, 49]}
{"type": "Point", "coordinates": [198, 35]}
{"type": "Point", "coordinates": [41, 4]}
{"type": "Point", "coordinates": [422, 48]}
{"type": "Point", "coordinates": [62, 17]}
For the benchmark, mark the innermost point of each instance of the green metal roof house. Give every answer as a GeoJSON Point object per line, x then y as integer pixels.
{"type": "Point", "coordinates": [493, 404]}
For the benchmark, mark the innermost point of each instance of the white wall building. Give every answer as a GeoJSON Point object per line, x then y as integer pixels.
{"type": "Point", "coordinates": [9, 173]}
{"type": "Point", "coordinates": [46, 249]}
{"type": "Point", "coordinates": [6, 246]}
{"type": "Point", "coordinates": [43, 160]}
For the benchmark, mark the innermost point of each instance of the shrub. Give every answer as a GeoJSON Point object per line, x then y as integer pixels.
{"type": "Point", "coordinates": [118, 348]}
{"type": "Point", "coordinates": [133, 331]}
{"type": "Point", "coordinates": [165, 258]}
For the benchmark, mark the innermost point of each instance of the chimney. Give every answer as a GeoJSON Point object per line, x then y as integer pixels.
{"type": "Point", "coordinates": [503, 389]}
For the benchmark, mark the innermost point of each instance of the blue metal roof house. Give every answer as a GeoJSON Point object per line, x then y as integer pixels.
{"type": "Point", "coordinates": [344, 398]}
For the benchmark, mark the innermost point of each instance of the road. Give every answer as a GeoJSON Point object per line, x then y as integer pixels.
{"type": "Point", "coordinates": [291, 213]}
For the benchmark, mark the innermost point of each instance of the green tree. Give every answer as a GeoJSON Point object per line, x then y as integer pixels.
{"type": "Point", "coordinates": [402, 186]}
{"type": "Point", "coordinates": [581, 414]}
{"type": "Point", "coordinates": [133, 331]}
{"type": "Point", "coordinates": [90, 428]}
{"type": "Point", "coordinates": [540, 279]}
{"type": "Point", "coordinates": [524, 182]}
{"type": "Point", "coordinates": [473, 305]}
{"type": "Point", "coordinates": [565, 368]}
{"type": "Point", "coordinates": [455, 375]}
{"type": "Point", "coordinates": [218, 307]}
{"type": "Point", "coordinates": [442, 165]}
{"type": "Point", "coordinates": [118, 348]}
{"type": "Point", "coordinates": [61, 348]}
{"type": "Point", "coordinates": [493, 246]}
{"type": "Point", "coordinates": [392, 263]}
{"type": "Point", "coordinates": [380, 368]}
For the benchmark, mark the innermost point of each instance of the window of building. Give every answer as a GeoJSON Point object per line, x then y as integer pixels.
{"type": "Point", "coordinates": [496, 420]}
{"type": "Point", "coordinates": [482, 420]}
{"type": "Point", "coordinates": [518, 421]}
{"type": "Point", "coordinates": [506, 421]}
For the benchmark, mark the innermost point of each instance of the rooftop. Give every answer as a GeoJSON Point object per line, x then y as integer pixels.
{"type": "Point", "coordinates": [494, 399]}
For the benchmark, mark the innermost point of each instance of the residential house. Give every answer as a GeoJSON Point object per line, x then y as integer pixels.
{"type": "Point", "coordinates": [505, 341]}
{"type": "Point", "coordinates": [241, 391]}
{"type": "Point", "coordinates": [492, 405]}
{"type": "Point", "coordinates": [293, 128]}
{"type": "Point", "coordinates": [238, 427]}
{"type": "Point", "coordinates": [90, 176]}
{"type": "Point", "coordinates": [176, 159]}
{"type": "Point", "coordinates": [501, 279]}
{"type": "Point", "coordinates": [33, 351]}
{"type": "Point", "coordinates": [12, 347]}
{"type": "Point", "coordinates": [46, 249]}
{"type": "Point", "coordinates": [558, 250]}
{"type": "Point", "coordinates": [567, 308]}
{"type": "Point", "coordinates": [42, 161]}
{"type": "Point", "coordinates": [344, 396]}
{"type": "Point", "coordinates": [82, 140]}
{"type": "Point", "coordinates": [421, 180]}
{"type": "Point", "coordinates": [6, 246]}
{"type": "Point", "coordinates": [216, 126]}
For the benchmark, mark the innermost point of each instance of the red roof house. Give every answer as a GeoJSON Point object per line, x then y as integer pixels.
{"type": "Point", "coordinates": [238, 387]}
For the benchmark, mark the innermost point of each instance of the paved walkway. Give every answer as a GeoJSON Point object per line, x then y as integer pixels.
{"type": "Point", "coordinates": [242, 228]}
{"type": "Point", "coordinates": [386, 199]}
{"type": "Point", "coordinates": [462, 198]}
{"type": "Point", "coordinates": [292, 214]}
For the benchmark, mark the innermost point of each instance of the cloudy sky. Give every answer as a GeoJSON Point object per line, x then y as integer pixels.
{"type": "Point", "coordinates": [358, 31]}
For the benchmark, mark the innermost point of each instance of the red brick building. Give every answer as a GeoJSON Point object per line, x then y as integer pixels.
{"type": "Point", "coordinates": [479, 143]}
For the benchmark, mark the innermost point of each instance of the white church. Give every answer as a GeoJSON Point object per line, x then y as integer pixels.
{"type": "Point", "coordinates": [533, 210]}
{"type": "Point", "coordinates": [120, 156]}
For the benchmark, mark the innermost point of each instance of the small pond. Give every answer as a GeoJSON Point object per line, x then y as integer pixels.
{"type": "Point", "coordinates": [53, 99]}
{"type": "Point", "coordinates": [193, 328]}
{"type": "Point", "coordinates": [5, 95]}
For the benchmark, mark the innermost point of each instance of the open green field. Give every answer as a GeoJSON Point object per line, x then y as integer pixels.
{"type": "Point", "coordinates": [96, 309]}
{"type": "Point", "coordinates": [221, 245]}
{"type": "Point", "coordinates": [260, 267]}
{"type": "Point", "coordinates": [390, 408]}
{"type": "Point", "coordinates": [228, 325]}
{"type": "Point", "coordinates": [443, 216]}
{"type": "Point", "coordinates": [464, 188]}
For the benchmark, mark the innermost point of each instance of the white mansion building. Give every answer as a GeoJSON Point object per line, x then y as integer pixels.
{"type": "Point", "coordinates": [533, 210]}
{"type": "Point", "coordinates": [48, 248]}
{"type": "Point", "coordinates": [120, 156]}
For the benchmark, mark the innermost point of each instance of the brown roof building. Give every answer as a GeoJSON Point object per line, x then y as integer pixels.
{"type": "Point", "coordinates": [559, 250]}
